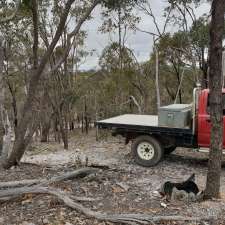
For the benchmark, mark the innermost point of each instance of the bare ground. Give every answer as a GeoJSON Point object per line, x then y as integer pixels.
{"type": "Point", "coordinates": [123, 188]}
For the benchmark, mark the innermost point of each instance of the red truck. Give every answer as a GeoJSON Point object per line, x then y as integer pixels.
{"type": "Point", "coordinates": [153, 136]}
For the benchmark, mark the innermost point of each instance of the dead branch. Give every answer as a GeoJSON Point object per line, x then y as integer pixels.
{"type": "Point", "coordinates": [69, 201]}
{"type": "Point", "coordinates": [80, 173]}
{"type": "Point", "coordinates": [136, 103]}
{"type": "Point", "coordinates": [11, 194]}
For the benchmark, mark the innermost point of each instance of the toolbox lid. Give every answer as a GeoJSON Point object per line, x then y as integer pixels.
{"type": "Point", "coordinates": [176, 107]}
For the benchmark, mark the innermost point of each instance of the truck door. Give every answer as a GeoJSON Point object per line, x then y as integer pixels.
{"type": "Point", "coordinates": [204, 121]}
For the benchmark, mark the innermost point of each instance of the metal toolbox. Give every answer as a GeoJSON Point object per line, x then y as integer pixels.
{"type": "Point", "coordinates": [175, 115]}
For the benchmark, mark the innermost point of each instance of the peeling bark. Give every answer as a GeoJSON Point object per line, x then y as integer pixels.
{"type": "Point", "coordinates": [1, 96]}
{"type": "Point", "coordinates": [216, 107]}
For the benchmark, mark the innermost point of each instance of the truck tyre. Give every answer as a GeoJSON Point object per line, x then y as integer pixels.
{"type": "Point", "coordinates": [147, 151]}
{"type": "Point", "coordinates": [169, 150]}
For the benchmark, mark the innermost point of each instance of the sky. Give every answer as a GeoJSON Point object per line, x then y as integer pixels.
{"type": "Point", "coordinates": [141, 43]}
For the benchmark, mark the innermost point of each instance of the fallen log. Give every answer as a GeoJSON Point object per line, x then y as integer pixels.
{"type": "Point", "coordinates": [69, 200]}
{"type": "Point", "coordinates": [79, 173]}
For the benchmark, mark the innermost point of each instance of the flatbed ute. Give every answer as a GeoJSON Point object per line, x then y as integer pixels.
{"type": "Point", "coordinates": [177, 125]}
{"type": "Point", "coordinates": [132, 126]}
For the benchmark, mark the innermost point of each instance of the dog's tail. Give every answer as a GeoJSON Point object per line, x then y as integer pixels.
{"type": "Point", "coordinates": [191, 178]}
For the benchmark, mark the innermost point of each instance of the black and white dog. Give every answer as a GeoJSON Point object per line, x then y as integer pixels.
{"type": "Point", "coordinates": [187, 190]}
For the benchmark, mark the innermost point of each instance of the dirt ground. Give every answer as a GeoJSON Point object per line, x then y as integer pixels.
{"type": "Point", "coordinates": [122, 188]}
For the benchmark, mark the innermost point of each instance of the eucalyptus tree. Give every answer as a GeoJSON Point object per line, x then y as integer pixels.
{"type": "Point", "coordinates": [59, 83]}
{"type": "Point", "coordinates": [215, 101]}
{"type": "Point", "coordinates": [216, 35]}
{"type": "Point", "coordinates": [135, 81]}
{"type": "Point", "coordinates": [119, 17]}
{"type": "Point", "coordinates": [173, 51]}
{"type": "Point", "coordinates": [182, 12]}
{"type": "Point", "coordinates": [2, 130]}
{"type": "Point", "coordinates": [26, 123]}
{"type": "Point", "coordinates": [183, 15]}
{"type": "Point", "coordinates": [199, 37]}
{"type": "Point", "coordinates": [110, 64]}
{"type": "Point", "coordinates": [159, 32]}
{"type": "Point", "coordinates": [8, 12]}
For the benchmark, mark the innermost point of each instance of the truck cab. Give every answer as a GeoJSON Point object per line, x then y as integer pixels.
{"type": "Point", "coordinates": [203, 118]}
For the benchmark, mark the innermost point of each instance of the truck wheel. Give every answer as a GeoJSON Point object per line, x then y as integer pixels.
{"type": "Point", "coordinates": [147, 151]}
{"type": "Point", "coordinates": [169, 150]}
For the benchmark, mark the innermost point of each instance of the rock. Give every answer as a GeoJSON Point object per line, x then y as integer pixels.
{"type": "Point", "coordinates": [164, 205]}
{"type": "Point", "coordinates": [138, 200]}
{"type": "Point", "coordinates": [27, 201]}
{"type": "Point", "coordinates": [41, 202]}
{"type": "Point", "coordinates": [156, 194]}
{"type": "Point", "coordinates": [100, 204]}
{"type": "Point", "coordinates": [13, 168]}
{"type": "Point", "coordinates": [45, 221]}
{"type": "Point", "coordinates": [27, 223]}
{"type": "Point", "coordinates": [67, 223]}
{"type": "Point", "coordinates": [1, 221]}
{"type": "Point", "coordinates": [124, 186]}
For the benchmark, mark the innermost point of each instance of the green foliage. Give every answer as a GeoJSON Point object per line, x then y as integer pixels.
{"type": "Point", "coordinates": [110, 58]}
{"type": "Point", "coordinates": [199, 33]}
{"type": "Point", "coordinates": [119, 16]}
{"type": "Point", "coordinates": [114, 5]}
{"type": "Point", "coordinates": [26, 6]}
{"type": "Point", "coordinates": [184, 2]}
{"type": "Point", "coordinates": [27, 3]}
{"type": "Point", "coordinates": [174, 48]}
{"type": "Point", "coordinates": [182, 11]}
{"type": "Point", "coordinates": [127, 20]}
{"type": "Point", "coordinates": [108, 89]}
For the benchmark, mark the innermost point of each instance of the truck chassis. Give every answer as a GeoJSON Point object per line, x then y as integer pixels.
{"type": "Point", "coordinates": [149, 141]}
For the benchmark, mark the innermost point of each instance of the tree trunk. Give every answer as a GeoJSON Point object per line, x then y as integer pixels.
{"type": "Point", "coordinates": [1, 137]}
{"type": "Point", "coordinates": [1, 97]}
{"type": "Point", "coordinates": [216, 108]}
{"type": "Point", "coordinates": [157, 77]}
{"type": "Point", "coordinates": [45, 131]}
{"type": "Point", "coordinates": [56, 130]}
{"type": "Point", "coordinates": [85, 115]}
{"type": "Point", "coordinates": [15, 112]}
{"type": "Point", "coordinates": [205, 76]}
{"type": "Point", "coordinates": [82, 122]}
{"type": "Point", "coordinates": [64, 134]}
{"type": "Point", "coordinates": [120, 39]}
{"type": "Point", "coordinates": [35, 33]}
{"type": "Point", "coordinates": [72, 126]}
{"type": "Point", "coordinates": [63, 131]}
{"type": "Point", "coordinates": [204, 67]}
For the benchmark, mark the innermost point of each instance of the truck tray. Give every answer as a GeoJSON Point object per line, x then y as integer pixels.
{"type": "Point", "coordinates": [139, 123]}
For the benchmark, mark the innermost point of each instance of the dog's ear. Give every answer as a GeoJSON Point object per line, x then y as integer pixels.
{"type": "Point", "coordinates": [191, 178]}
